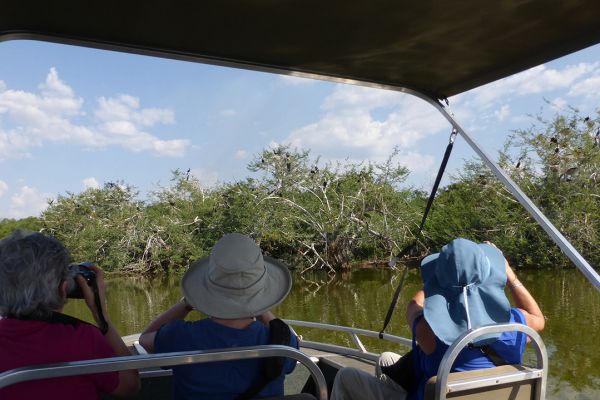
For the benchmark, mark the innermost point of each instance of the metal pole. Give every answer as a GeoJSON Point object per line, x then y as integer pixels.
{"type": "Point", "coordinates": [541, 219]}
{"type": "Point", "coordinates": [558, 238]}
{"type": "Point", "coordinates": [83, 367]}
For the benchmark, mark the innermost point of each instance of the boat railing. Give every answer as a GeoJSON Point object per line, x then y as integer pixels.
{"type": "Point", "coordinates": [359, 351]}
{"type": "Point", "coordinates": [539, 373]}
{"type": "Point", "coordinates": [84, 367]}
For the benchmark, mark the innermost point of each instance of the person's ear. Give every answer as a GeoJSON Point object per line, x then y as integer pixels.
{"type": "Point", "coordinates": [62, 289]}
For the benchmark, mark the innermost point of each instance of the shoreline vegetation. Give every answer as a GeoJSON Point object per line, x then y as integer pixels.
{"type": "Point", "coordinates": [336, 216]}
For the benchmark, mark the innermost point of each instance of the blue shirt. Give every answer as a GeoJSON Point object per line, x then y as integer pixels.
{"type": "Point", "coordinates": [510, 346]}
{"type": "Point", "coordinates": [217, 380]}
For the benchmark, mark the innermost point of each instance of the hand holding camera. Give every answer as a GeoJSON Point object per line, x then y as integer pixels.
{"type": "Point", "coordinates": [83, 269]}
{"type": "Point", "coordinates": [88, 283]}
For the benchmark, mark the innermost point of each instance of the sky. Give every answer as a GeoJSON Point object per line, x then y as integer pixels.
{"type": "Point", "coordinates": [72, 118]}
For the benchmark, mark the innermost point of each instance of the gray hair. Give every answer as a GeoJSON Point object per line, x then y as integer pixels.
{"type": "Point", "coordinates": [32, 267]}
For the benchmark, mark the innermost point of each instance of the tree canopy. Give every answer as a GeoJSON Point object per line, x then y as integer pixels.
{"type": "Point", "coordinates": [336, 216]}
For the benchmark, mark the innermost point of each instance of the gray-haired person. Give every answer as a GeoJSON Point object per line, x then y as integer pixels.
{"type": "Point", "coordinates": [34, 282]}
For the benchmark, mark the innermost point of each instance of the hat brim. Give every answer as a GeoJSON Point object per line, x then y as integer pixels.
{"type": "Point", "coordinates": [444, 308]}
{"type": "Point", "coordinates": [215, 301]}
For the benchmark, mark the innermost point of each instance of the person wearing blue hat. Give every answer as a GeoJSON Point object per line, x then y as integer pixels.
{"type": "Point", "coordinates": [463, 288]}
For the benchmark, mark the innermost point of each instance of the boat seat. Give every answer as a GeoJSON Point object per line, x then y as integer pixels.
{"type": "Point", "coordinates": [507, 382]}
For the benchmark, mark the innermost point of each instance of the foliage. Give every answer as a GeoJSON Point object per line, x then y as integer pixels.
{"type": "Point", "coordinates": [557, 164]}
{"type": "Point", "coordinates": [8, 225]}
{"type": "Point", "coordinates": [103, 225]}
{"type": "Point", "coordinates": [334, 216]}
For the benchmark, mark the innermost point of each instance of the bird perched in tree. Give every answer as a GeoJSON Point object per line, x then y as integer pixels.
{"type": "Point", "coordinates": [597, 138]}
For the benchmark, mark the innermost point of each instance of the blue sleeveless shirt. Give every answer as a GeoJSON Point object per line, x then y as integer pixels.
{"type": "Point", "coordinates": [510, 346]}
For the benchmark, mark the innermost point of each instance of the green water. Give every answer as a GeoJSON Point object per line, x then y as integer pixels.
{"type": "Point", "coordinates": [361, 298]}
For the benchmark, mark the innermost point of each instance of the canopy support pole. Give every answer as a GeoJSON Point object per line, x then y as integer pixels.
{"type": "Point", "coordinates": [558, 238]}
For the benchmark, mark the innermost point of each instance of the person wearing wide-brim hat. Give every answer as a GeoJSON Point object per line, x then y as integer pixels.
{"type": "Point", "coordinates": [236, 286]}
{"type": "Point", "coordinates": [463, 288]}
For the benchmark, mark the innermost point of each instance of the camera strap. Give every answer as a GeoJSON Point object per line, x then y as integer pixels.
{"type": "Point", "coordinates": [103, 325]}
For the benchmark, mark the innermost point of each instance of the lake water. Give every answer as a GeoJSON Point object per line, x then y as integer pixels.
{"type": "Point", "coordinates": [361, 298]}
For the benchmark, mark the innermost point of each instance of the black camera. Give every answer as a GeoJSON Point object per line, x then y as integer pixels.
{"type": "Point", "coordinates": [73, 289]}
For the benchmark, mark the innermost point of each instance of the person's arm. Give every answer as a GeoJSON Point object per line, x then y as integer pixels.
{"type": "Point", "coordinates": [265, 317]}
{"type": "Point", "coordinates": [178, 311]}
{"type": "Point", "coordinates": [424, 334]}
{"type": "Point", "coordinates": [524, 301]}
{"type": "Point", "coordinates": [129, 381]}
{"type": "Point", "coordinates": [415, 307]}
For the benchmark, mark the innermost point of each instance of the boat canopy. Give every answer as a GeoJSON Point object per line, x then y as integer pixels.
{"type": "Point", "coordinates": [433, 49]}
{"type": "Point", "coordinates": [438, 48]}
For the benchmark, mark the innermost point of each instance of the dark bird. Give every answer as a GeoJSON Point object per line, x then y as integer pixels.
{"type": "Point", "coordinates": [262, 160]}
{"type": "Point", "coordinates": [586, 119]}
{"type": "Point", "coordinates": [518, 164]}
{"type": "Point", "coordinates": [288, 166]}
{"type": "Point", "coordinates": [187, 174]}
{"type": "Point", "coordinates": [597, 138]}
{"type": "Point", "coordinates": [553, 139]}
{"type": "Point", "coordinates": [324, 184]}
{"type": "Point", "coordinates": [556, 150]}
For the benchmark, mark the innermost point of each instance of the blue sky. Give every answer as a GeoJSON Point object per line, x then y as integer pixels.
{"type": "Point", "coordinates": [72, 118]}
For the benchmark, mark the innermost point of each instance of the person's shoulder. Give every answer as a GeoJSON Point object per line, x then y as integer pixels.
{"type": "Point", "coordinates": [181, 327]}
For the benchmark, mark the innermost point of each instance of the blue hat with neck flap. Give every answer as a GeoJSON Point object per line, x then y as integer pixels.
{"type": "Point", "coordinates": [464, 289]}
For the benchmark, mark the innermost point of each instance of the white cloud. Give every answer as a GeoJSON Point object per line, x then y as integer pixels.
{"type": "Point", "coordinates": [488, 104]}
{"type": "Point", "coordinates": [350, 96]}
{"type": "Point", "coordinates": [349, 126]}
{"type": "Point", "coordinates": [49, 116]}
{"type": "Point", "coordinates": [290, 80]}
{"type": "Point", "coordinates": [241, 154]}
{"type": "Point", "coordinates": [532, 81]}
{"type": "Point", "coordinates": [589, 87]}
{"type": "Point", "coordinates": [416, 162]}
{"type": "Point", "coordinates": [90, 183]}
{"type": "Point", "coordinates": [559, 104]}
{"type": "Point", "coordinates": [502, 113]}
{"type": "Point", "coordinates": [227, 113]}
{"type": "Point", "coordinates": [207, 178]}
{"type": "Point", "coordinates": [3, 188]}
{"type": "Point", "coordinates": [27, 202]}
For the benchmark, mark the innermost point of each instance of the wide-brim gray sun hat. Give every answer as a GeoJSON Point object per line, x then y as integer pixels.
{"type": "Point", "coordinates": [464, 288]}
{"type": "Point", "coordinates": [236, 280]}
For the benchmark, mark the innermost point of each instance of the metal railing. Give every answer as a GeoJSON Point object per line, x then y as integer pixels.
{"type": "Point", "coordinates": [540, 373]}
{"type": "Point", "coordinates": [354, 333]}
{"type": "Point", "coordinates": [163, 360]}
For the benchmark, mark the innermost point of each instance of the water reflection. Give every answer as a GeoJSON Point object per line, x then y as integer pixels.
{"type": "Point", "coordinates": [361, 299]}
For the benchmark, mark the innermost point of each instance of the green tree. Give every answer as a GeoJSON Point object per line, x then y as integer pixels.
{"type": "Point", "coordinates": [9, 225]}
{"type": "Point", "coordinates": [332, 215]}
{"type": "Point", "coordinates": [556, 164]}
{"type": "Point", "coordinates": [99, 225]}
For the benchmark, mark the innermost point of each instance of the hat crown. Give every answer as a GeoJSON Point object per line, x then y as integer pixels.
{"type": "Point", "coordinates": [236, 262]}
{"type": "Point", "coordinates": [462, 263]}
